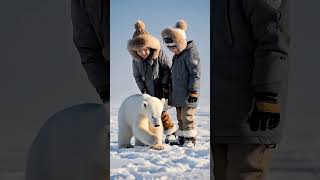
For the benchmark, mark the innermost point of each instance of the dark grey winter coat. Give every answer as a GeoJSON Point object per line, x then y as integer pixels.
{"type": "Point", "coordinates": [185, 76]}
{"type": "Point", "coordinates": [152, 74]}
{"type": "Point", "coordinates": [250, 54]}
{"type": "Point", "coordinates": [90, 21]}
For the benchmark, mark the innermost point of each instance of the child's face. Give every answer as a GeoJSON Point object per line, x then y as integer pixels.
{"type": "Point", "coordinates": [174, 49]}
{"type": "Point", "coordinates": [143, 52]}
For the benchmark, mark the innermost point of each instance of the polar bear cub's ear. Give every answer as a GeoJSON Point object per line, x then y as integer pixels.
{"type": "Point", "coordinates": [163, 101]}
{"type": "Point", "coordinates": [145, 104]}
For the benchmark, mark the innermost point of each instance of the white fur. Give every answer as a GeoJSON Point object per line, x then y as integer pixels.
{"type": "Point", "coordinates": [182, 32]}
{"type": "Point", "coordinates": [138, 115]}
{"type": "Point", "coordinates": [189, 133]}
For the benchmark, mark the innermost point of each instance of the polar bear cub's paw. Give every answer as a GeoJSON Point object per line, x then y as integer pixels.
{"type": "Point", "coordinates": [157, 146]}
{"type": "Point", "coordinates": [153, 139]}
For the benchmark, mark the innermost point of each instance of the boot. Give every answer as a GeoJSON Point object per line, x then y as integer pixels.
{"type": "Point", "coordinates": [178, 141]}
{"type": "Point", "coordinates": [189, 142]}
{"type": "Point", "coordinates": [171, 139]}
{"type": "Point", "coordinates": [187, 138]}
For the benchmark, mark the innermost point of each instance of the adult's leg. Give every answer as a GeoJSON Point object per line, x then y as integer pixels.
{"type": "Point", "coordinates": [220, 161]}
{"type": "Point", "coordinates": [248, 161]}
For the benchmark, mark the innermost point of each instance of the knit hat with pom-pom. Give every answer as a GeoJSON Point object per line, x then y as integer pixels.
{"type": "Point", "coordinates": [176, 36]}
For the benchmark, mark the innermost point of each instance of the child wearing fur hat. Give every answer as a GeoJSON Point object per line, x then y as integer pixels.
{"type": "Point", "coordinates": [151, 70]}
{"type": "Point", "coordinates": [185, 81]}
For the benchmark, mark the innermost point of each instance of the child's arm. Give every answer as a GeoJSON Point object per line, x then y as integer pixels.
{"type": "Point", "coordinates": [269, 25]}
{"type": "Point", "coordinates": [165, 69]}
{"type": "Point", "coordinates": [138, 78]}
{"type": "Point", "coordinates": [193, 65]}
{"type": "Point", "coordinates": [91, 50]}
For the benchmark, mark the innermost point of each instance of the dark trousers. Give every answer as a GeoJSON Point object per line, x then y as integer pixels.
{"type": "Point", "coordinates": [240, 161]}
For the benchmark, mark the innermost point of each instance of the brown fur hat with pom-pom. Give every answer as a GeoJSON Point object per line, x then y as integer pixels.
{"type": "Point", "coordinates": [177, 35]}
{"type": "Point", "coordinates": [142, 39]}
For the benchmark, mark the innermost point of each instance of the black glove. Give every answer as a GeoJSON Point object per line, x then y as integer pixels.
{"type": "Point", "coordinates": [193, 97]}
{"type": "Point", "coordinates": [144, 91]}
{"type": "Point", "coordinates": [265, 114]}
{"type": "Point", "coordinates": [165, 93]}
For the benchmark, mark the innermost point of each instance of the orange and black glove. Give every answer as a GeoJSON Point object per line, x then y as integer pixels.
{"type": "Point", "coordinates": [193, 97]}
{"type": "Point", "coordinates": [265, 114]}
{"type": "Point", "coordinates": [166, 121]}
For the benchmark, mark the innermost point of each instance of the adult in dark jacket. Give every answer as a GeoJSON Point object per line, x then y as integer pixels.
{"type": "Point", "coordinates": [151, 70]}
{"type": "Point", "coordinates": [90, 20]}
{"type": "Point", "coordinates": [73, 143]}
{"type": "Point", "coordinates": [249, 75]}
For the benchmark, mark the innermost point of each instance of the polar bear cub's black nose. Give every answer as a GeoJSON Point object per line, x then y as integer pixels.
{"type": "Point", "coordinates": [156, 124]}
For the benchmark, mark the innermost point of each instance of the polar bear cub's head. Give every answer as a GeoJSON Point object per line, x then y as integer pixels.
{"type": "Point", "coordinates": [152, 107]}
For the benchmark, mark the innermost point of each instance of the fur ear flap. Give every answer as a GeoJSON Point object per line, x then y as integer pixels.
{"type": "Point", "coordinates": [145, 104]}
{"type": "Point", "coordinates": [163, 101]}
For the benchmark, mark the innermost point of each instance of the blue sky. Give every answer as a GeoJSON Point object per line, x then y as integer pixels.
{"type": "Point", "coordinates": [157, 15]}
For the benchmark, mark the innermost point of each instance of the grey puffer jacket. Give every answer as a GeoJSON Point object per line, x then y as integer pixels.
{"type": "Point", "coordinates": [185, 76]}
{"type": "Point", "coordinates": [152, 75]}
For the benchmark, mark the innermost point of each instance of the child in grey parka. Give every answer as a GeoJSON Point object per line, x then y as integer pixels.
{"type": "Point", "coordinates": [185, 81]}
{"type": "Point", "coordinates": [151, 70]}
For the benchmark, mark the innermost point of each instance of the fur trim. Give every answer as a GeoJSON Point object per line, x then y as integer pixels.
{"type": "Point", "coordinates": [143, 41]}
{"type": "Point", "coordinates": [171, 130]}
{"type": "Point", "coordinates": [176, 36]}
{"type": "Point", "coordinates": [182, 32]}
{"type": "Point", "coordinates": [189, 133]}
{"type": "Point", "coordinates": [182, 24]}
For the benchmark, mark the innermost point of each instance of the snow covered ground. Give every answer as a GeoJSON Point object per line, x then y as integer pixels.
{"type": "Point", "coordinates": [291, 160]}
{"type": "Point", "coordinates": [171, 163]}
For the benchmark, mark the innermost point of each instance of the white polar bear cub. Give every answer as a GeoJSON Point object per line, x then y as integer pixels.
{"type": "Point", "coordinates": [140, 116]}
